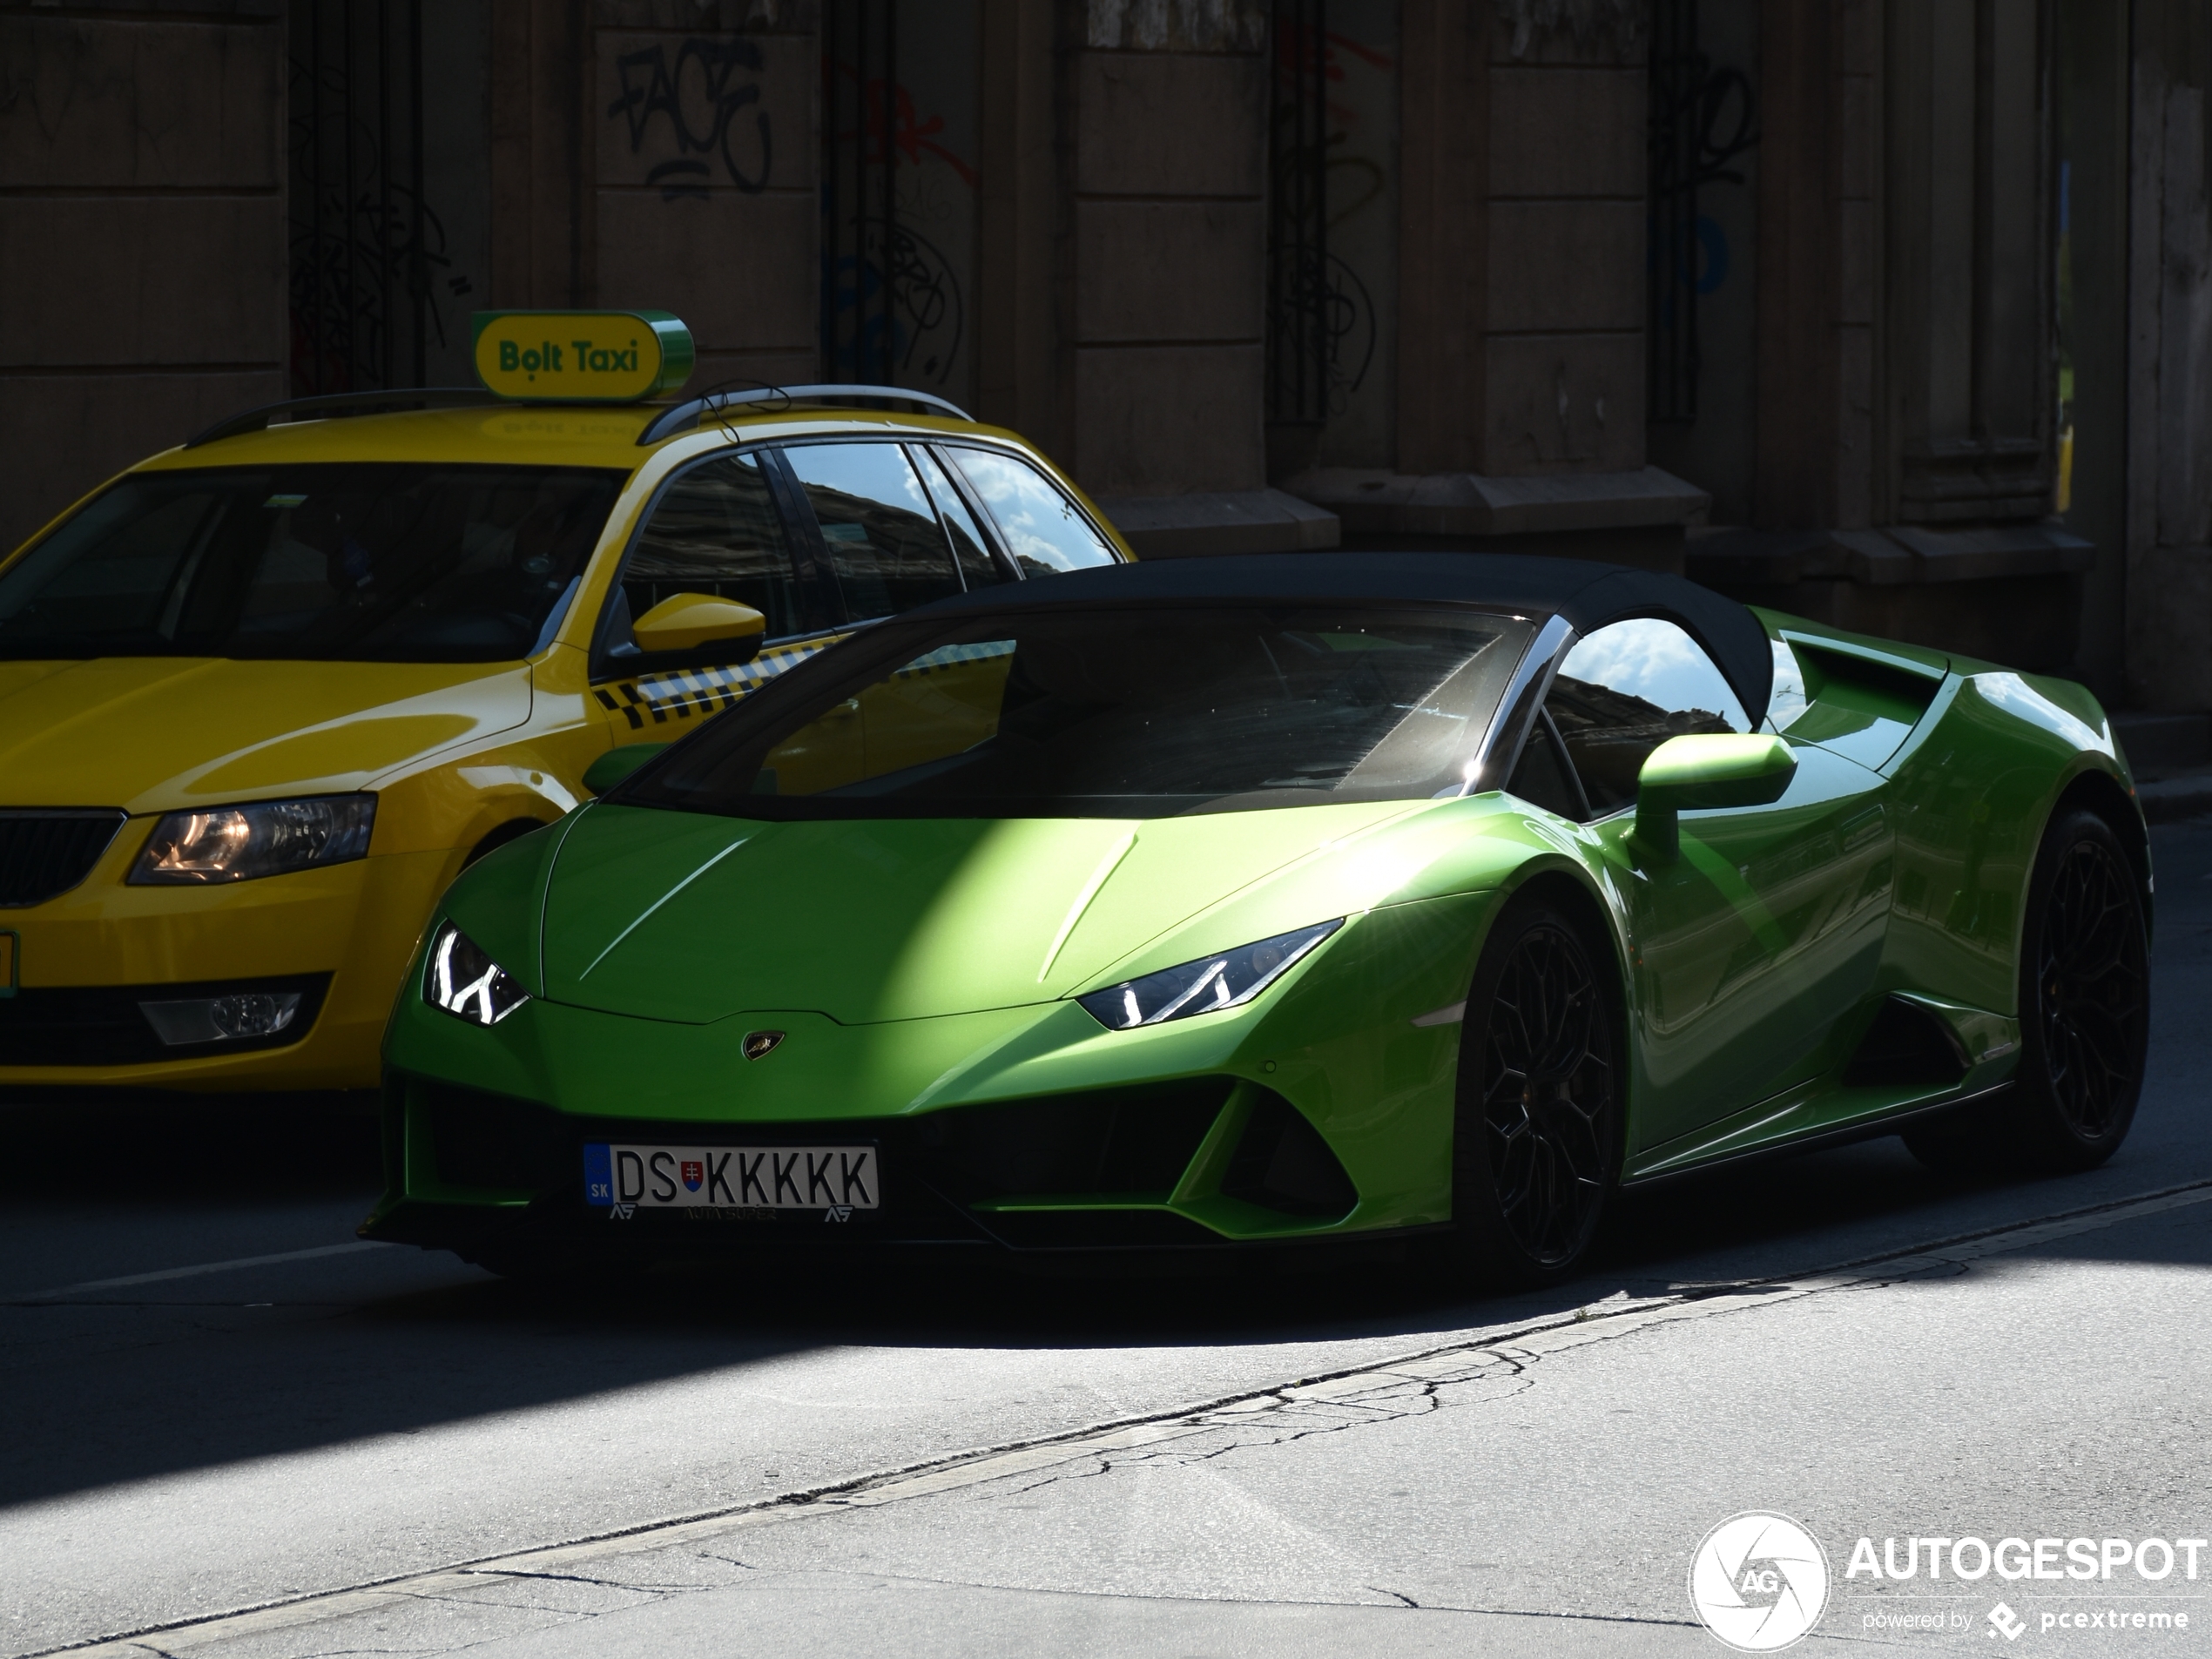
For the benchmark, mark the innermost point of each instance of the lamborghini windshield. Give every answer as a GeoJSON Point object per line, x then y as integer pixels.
{"type": "Point", "coordinates": [1133, 712]}
{"type": "Point", "coordinates": [357, 561]}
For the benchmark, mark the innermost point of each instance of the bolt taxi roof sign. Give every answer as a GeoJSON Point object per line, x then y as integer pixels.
{"type": "Point", "coordinates": [581, 356]}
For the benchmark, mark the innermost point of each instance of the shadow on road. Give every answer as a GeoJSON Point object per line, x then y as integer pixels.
{"type": "Point", "coordinates": [130, 1383]}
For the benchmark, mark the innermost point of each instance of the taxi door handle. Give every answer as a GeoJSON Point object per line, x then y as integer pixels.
{"type": "Point", "coordinates": [845, 710]}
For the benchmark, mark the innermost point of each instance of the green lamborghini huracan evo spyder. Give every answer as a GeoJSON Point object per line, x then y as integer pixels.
{"type": "Point", "coordinates": [1226, 903]}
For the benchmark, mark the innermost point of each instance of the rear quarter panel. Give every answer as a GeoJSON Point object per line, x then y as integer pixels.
{"type": "Point", "coordinates": [1972, 791]}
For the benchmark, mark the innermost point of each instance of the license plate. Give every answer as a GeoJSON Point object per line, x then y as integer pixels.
{"type": "Point", "coordinates": [838, 1180]}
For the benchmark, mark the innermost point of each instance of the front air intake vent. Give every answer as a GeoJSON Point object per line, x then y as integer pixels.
{"type": "Point", "coordinates": [46, 850]}
{"type": "Point", "coordinates": [1282, 1163]}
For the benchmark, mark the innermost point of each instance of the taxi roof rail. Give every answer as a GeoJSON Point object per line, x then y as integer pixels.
{"type": "Point", "coordinates": [334, 404]}
{"type": "Point", "coordinates": [678, 416]}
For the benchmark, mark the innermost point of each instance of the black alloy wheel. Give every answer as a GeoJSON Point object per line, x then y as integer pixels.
{"type": "Point", "coordinates": [1539, 1124]}
{"type": "Point", "coordinates": [2086, 1013]}
{"type": "Point", "coordinates": [2084, 1017]}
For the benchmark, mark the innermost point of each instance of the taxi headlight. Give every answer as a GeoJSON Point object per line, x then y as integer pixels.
{"type": "Point", "coordinates": [466, 983]}
{"type": "Point", "coordinates": [1222, 980]}
{"type": "Point", "coordinates": [261, 838]}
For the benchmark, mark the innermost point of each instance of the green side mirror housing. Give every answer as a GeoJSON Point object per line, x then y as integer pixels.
{"type": "Point", "coordinates": [687, 621]}
{"type": "Point", "coordinates": [616, 764]}
{"type": "Point", "coordinates": [1707, 770]}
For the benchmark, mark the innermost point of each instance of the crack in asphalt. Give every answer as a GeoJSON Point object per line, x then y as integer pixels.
{"type": "Point", "coordinates": [1394, 1399]}
{"type": "Point", "coordinates": [1386, 1391]}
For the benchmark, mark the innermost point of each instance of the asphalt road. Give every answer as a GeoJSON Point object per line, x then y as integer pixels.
{"type": "Point", "coordinates": [1319, 1464]}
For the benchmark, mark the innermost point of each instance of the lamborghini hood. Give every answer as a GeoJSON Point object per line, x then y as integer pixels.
{"type": "Point", "coordinates": [157, 733]}
{"type": "Point", "coordinates": [676, 916]}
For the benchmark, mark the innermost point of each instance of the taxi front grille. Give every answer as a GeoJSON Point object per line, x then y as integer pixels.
{"type": "Point", "coordinates": [46, 850]}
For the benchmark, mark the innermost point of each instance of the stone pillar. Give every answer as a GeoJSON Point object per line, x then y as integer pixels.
{"type": "Point", "coordinates": [2170, 425]}
{"type": "Point", "coordinates": [1969, 380]}
{"type": "Point", "coordinates": [1906, 354]}
{"type": "Point", "coordinates": [1521, 292]}
{"type": "Point", "coordinates": [142, 237]}
{"type": "Point", "coordinates": [1017, 365]}
{"type": "Point", "coordinates": [1162, 317]}
{"type": "Point", "coordinates": [1163, 279]}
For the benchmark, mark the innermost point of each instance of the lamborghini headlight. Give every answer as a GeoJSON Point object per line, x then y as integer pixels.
{"type": "Point", "coordinates": [466, 983]}
{"type": "Point", "coordinates": [1223, 981]}
{"type": "Point", "coordinates": [216, 844]}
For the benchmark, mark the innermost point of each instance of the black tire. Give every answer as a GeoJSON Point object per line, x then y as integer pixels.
{"type": "Point", "coordinates": [2084, 1017]}
{"type": "Point", "coordinates": [2085, 997]}
{"type": "Point", "coordinates": [1537, 1130]}
{"type": "Point", "coordinates": [513, 830]}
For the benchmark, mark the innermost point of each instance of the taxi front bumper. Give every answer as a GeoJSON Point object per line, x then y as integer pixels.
{"type": "Point", "coordinates": [86, 961]}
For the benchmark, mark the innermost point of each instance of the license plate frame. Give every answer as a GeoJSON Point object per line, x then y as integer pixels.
{"type": "Point", "coordinates": [836, 1181]}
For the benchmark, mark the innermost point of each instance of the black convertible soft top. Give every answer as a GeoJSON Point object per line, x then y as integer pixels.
{"type": "Point", "coordinates": [1587, 595]}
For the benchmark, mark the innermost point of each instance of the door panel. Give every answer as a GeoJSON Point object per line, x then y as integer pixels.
{"type": "Point", "coordinates": [1765, 929]}
{"type": "Point", "coordinates": [718, 529]}
{"type": "Point", "coordinates": [1754, 943]}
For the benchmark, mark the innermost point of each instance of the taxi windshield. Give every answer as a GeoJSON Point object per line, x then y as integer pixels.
{"type": "Point", "coordinates": [386, 562]}
{"type": "Point", "coordinates": [1137, 713]}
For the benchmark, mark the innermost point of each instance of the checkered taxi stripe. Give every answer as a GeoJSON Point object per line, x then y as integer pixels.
{"type": "Point", "coordinates": [682, 694]}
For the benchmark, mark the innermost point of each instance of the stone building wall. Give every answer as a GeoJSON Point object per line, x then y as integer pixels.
{"type": "Point", "coordinates": [142, 235]}
{"type": "Point", "coordinates": [1955, 336]}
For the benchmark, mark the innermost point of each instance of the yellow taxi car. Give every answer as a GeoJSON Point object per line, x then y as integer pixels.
{"type": "Point", "coordinates": [265, 694]}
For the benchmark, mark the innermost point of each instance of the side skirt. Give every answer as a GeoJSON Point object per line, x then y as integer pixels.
{"type": "Point", "coordinates": [1865, 1129]}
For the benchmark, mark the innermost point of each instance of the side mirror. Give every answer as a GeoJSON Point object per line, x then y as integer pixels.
{"type": "Point", "coordinates": [616, 764]}
{"type": "Point", "coordinates": [1717, 769]}
{"type": "Point", "coordinates": [687, 621]}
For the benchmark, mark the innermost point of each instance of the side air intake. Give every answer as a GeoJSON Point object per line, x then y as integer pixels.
{"type": "Point", "coordinates": [1907, 1046]}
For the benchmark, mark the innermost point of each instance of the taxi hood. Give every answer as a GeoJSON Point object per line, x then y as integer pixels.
{"type": "Point", "coordinates": [153, 734]}
{"type": "Point", "coordinates": [689, 917]}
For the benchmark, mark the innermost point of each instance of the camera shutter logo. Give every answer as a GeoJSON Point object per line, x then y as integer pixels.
{"type": "Point", "coordinates": [1758, 1581]}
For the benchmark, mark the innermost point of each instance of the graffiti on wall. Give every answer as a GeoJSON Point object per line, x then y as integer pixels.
{"type": "Point", "coordinates": [1335, 139]}
{"type": "Point", "coordinates": [371, 277]}
{"type": "Point", "coordinates": [899, 217]}
{"type": "Point", "coordinates": [699, 101]}
{"type": "Point", "coordinates": [1704, 120]}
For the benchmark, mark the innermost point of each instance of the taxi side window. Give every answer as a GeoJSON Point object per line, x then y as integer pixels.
{"type": "Point", "coordinates": [879, 528]}
{"type": "Point", "coordinates": [1623, 691]}
{"type": "Point", "coordinates": [1038, 524]}
{"type": "Point", "coordinates": [715, 530]}
{"type": "Point", "coordinates": [977, 567]}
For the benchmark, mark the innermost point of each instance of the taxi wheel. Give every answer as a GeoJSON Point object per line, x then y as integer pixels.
{"type": "Point", "coordinates": [514, 830]}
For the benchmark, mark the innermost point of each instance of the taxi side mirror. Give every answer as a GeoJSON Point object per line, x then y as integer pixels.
{"type": "Point", "coordinates": [1705, 770]}
{"type": "Point", "coordinates": [687, 621]}
{"type": "Point", "coordinates": [616, 764]}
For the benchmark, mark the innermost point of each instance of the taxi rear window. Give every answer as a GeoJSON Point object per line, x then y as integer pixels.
{"type": "Point", "coordinates": [388, 562]}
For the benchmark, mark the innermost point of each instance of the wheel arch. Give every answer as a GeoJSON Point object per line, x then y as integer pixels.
{"type": "Point", "coordinates": [1571, 889]}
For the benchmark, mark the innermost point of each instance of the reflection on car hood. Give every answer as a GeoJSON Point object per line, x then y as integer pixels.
{"type": "Point", "coordinates": [689, 917]}
{"type": "Point", "coordinates": [156, 733]}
